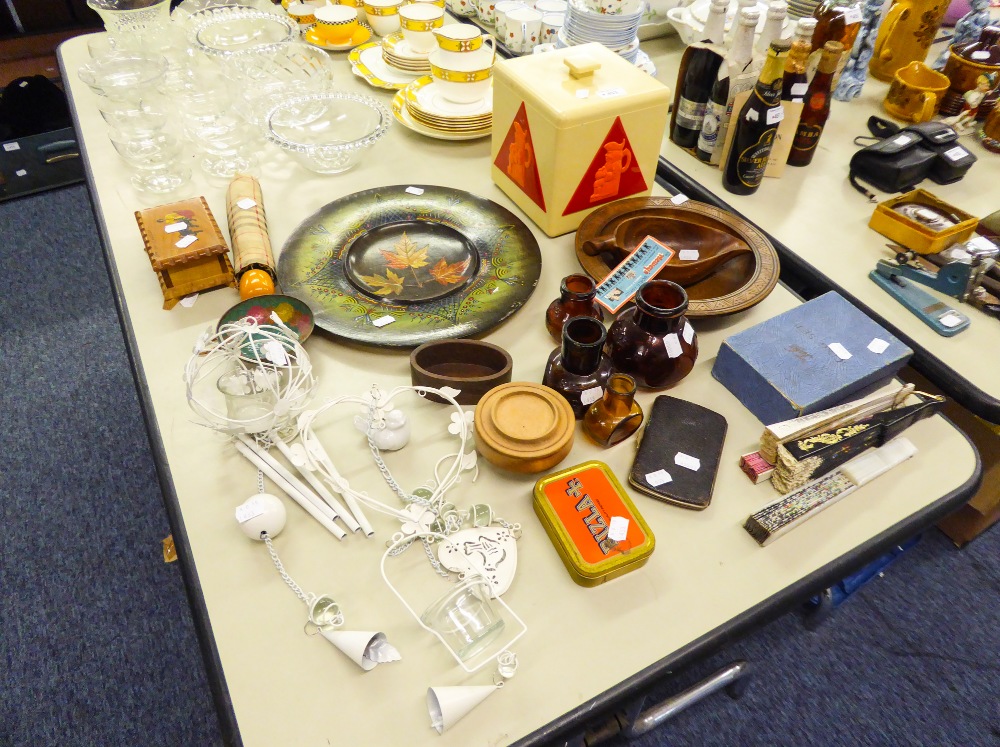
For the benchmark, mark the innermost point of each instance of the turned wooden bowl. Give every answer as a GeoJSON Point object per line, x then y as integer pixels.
{"type": "Point", "coordinates": [737, 281]}
{"type": "Point", "coordinates": [473, 367]}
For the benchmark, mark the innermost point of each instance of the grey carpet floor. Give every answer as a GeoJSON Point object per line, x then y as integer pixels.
{"type": "Point", "coordinates": [97, 642]}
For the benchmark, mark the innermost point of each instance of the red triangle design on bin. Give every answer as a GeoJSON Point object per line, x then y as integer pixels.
{"type": "Point", "coordinates": [516, 158]}
{"type": "Point", "coordinates": [613, 173]}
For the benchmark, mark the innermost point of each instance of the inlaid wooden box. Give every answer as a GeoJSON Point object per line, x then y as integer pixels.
{"type": "Point", "coordinates": [186, 248]}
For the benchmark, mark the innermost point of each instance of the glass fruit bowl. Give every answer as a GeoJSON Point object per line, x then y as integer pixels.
{"type": "Point", "coordinates": [123, 74]}
{"type": "Point", "coordinates": [222, 31]}
{"type": "Point", "coordinates": [328, 132]}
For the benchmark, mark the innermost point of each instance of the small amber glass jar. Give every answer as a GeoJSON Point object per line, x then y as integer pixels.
{"type": "Point", "coordinates": [576, 298]}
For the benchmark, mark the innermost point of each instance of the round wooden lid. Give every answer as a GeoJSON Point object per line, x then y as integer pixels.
{"type": "Point", "coordinates": [523, 420]}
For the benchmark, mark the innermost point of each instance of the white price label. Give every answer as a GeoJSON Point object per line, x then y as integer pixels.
{"type": "Point", "coordinates": [775, 115]}
{"type": "Point", "coordinates": [951, 319]}
{"type": "Point", "coordinates": [583, 93]}
{"type": "Point", "coordinates": [953, 154]}
{"type": "Point", "coordinates": [618, 528]}
{"type": "Point", "coordinates": [673, 345]}
{"type": "Point", "coordinates": [660, 477]}
{"type": "Point", "coordinates": [687, 461]}
{"type": "Point", "coordinates": [688, 255]}
{"type": "Point", "coordinates": [383, 320]}
{"type": "Point", "coordinates": [251, 509]}
{"type": "Point", "coordinates": [610, 93]}
{"type": "Point", "coordinates": [982, 54]}
{"type": "Point", "coordinates": [590, 396]}
{"type": "Point", "coordinates": [853, 15]}
{"type": "Point", "coordinates": [246, 203]}
{"type": "Point", "coordinates": [679, 199]}
{"type": "Point", "coordinates": [175, 227]}
{"type": "Point", "coordinates": [414, 190]}
{"type": "Point", "coordinates": [902, 140]}
{"type": "Point", "coordinates": [799, 89]}
{"type": "Point", "coordinates": [878, 346]}
{"type": "Point", "coordinates": [688, 333]}
{"type": "Point", "coordinates": [188, 301]}
{"type": "Point", "coordinates": [186, 241]}
{"type": "Point", "coordinates": [11, 147]}
{"type": "Point", "coordinates": [20, 172]}
{"type": "Point", "coordinates": [982, 243]}
{"type": "Point", "coordinates": [840, 351]}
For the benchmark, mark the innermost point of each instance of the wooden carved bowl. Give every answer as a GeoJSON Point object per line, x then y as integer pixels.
{"type": "Point", "coordinates": [742, 265]}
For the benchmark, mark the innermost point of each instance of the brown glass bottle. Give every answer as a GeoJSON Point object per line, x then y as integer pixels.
{"type": "Point", "coordinates": [816, 109]}
{"type": "Point", "coordinates": [756, 126]}
{"type": "Point", "coordinates": [836, 20]}
{"type": "Point", "coordinates": [579, 369]}
{"type": "Point", "coordinates": [576, 298]}
{"type": "Point", "coordinates": [615, 416]}
{"type": "Point", "coordinates": [653, 342]}
{"type": "Point", "coordinates": [795, 82]}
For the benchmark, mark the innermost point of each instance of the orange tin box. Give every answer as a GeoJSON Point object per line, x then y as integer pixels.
{"type": "Point", "coordinates": [595, 527]}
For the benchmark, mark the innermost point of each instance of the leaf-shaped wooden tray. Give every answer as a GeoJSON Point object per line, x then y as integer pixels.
{"type": "Point", "coordinates": [737, 265]}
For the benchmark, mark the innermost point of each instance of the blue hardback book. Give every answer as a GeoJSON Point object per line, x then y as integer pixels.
{"type": "Point", "coordinates": [814, 356]}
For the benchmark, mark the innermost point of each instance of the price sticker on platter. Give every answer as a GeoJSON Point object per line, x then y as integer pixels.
{"type": "Point", "coordinates": [621, 285]}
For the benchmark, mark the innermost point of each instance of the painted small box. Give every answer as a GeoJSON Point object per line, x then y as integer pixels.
{"type": "Point", "coordinates": [807, 359]}
{"type": "Point", "coordinates": [574, 129]}
{"type": "Point", "coordinates": [592, 522]}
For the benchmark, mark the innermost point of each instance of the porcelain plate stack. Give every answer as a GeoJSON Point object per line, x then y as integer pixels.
{"type": "Point", "coordinates": [397, 53]}
{"type": "Point", "coordinates": [613, 23]}
{"type": "Point", "coordinates": [422, 107]}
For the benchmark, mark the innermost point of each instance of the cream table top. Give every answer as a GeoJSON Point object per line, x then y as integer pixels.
{"type": "Point", "coordinates": [823, 222]}
{"type": "Point", "coordinates": [584, 647]}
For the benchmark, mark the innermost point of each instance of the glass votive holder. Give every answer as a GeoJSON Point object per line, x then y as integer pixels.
{"type": "Point", "coordinates": [465, 617]}
{"type": "Point", "coordinates": [249, 400]}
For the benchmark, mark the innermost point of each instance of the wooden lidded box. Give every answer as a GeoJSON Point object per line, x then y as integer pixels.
{"type": "Point", "coordinates": [574, 129]}
{"type": "Point", "coordinates": [186, 248]}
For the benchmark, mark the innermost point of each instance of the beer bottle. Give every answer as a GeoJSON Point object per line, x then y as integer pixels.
{"type": "Point", "coordinates": [817, 107]}
{"type": "Point", "coordinates": [774, 25]}
{"type": "Point", "coordinates": [702, 68]}
{"type": "Point", "coordinates": [739, 56]}
{"type": "Point", "coordinates": [836, 20]}
{"type": "Point", "coordinates": [795, 83]}
{"type": "Point", "coordinates": [756, 126]}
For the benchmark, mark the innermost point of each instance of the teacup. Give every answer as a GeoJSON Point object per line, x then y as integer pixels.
{"type": "Point", "coordinates": [915, 93]}
{"type": "Point", "coordinates": [335, 24]}
{"type": "Point", "coordinates": [461, 44]}
{"type": "Point", "coordinates": [439, 3]}
{"type": "Point", "coordinates": [418, 21]}
{"type": "Point", "coordinates": [462, 7]}
{"type": "Point", "coordinates": [551, 6]}
{"type": "Point", "coordinates": [464, 82]}
{"type": "Point", "coordinates": [551, 24]}
{"type": "Point", "coordinates": [523, 29]}
{"type": "Point", "coordinates": [302, 13]}
{"type": "Point", "coordinates": [486, 10]}
{"type": "Point", "coordinates": [383, 15]}
{"type": "Point", "coordinates": [500, 11]}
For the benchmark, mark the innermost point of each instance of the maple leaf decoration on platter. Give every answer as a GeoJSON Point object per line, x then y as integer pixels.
{"type": "Point", "coordinates": [449, 274]}
{"type": "Point", "coordinates": [384, 286]}
{"type": "Point", "coordinates": [407, 255]}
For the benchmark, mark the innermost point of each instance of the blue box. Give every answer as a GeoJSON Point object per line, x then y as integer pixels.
{"type": "Point", "coordinates": [784, 367]}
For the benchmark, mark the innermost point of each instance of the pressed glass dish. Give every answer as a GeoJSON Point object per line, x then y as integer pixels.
{"type": "Point", "coordinates": [221, 32]}
{"type": "Point", "coordinates": [327, 132]}
{"type": "Point", "coordinates": [123, 74]}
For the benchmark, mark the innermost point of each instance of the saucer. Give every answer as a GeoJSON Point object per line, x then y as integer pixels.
{"type": "Point", "coordinates": [367, 63]}
{"type": "Point", "coordinates": [402, 115]}
{"type": "Point", "coordinates": [362, 35]}
{"type": "Point", "coordinates": [396, 45]}
{"type": "Point", "coordinates": [425, 95]}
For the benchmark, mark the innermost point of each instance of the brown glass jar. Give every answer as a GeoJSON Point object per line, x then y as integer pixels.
{"type": "Point", "coordinates": [579, 369]}
{"type": "Point", "coordinates": [576, 298]}
{"type": "Point", "coordinates": [653, 342]}
{"type": "Point", "coordinates": [615, 416]}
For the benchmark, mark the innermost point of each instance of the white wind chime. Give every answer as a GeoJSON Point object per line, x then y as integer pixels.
{"type": "Point", "coordinates": [254, 383]}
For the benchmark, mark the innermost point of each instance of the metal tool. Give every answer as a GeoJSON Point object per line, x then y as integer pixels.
{"type": "Point", "coordinates": [936, 314]}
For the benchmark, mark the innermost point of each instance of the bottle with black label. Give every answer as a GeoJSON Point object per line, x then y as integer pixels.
{"type": "Point", "coordinates": [740, 55]}
{"type": "Point", "coordinates": [756, 125]}
{"type": "Point", "coordinates": [817, 108]}
{"type": "Point", "coordinates": [695, 89]}
{"type": "Point", "coordinates": [796, 82]}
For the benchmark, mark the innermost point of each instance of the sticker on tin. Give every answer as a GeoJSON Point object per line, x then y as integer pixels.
{"type": "Point", "coordinates": [686, 460]}
{"type": "Point", "coordinates": [840, 351]}
{"type": "Point", "coordinates": [618, 529]}
{"type": "Point", "coordinates": [516, 158]}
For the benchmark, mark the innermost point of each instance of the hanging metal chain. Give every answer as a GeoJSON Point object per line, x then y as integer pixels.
{"type": "Point", "coordinates": [260, 480]}
{"type": "Point", "coordinates": [281, 570]}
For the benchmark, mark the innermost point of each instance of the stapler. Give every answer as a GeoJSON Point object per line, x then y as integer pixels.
{"type": "Point", "coordinates": [962, 272]}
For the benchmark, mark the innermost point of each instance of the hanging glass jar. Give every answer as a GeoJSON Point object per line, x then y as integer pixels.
{"type": "Point", "coordinates": [653, 342]}
{"type": "Point", "coordinates": [579, 369]}
{"type": "Point", "coordinates": [615, 416]}
{"type": "Point", "coordinates": [576, 298]}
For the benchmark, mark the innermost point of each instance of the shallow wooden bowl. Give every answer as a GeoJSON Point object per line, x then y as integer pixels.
{"type": "Point", "coordinates": [473, 367]}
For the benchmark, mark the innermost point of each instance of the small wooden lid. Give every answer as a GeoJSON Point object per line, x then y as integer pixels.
{"type": "Point", "coordinates": [524, 420]}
